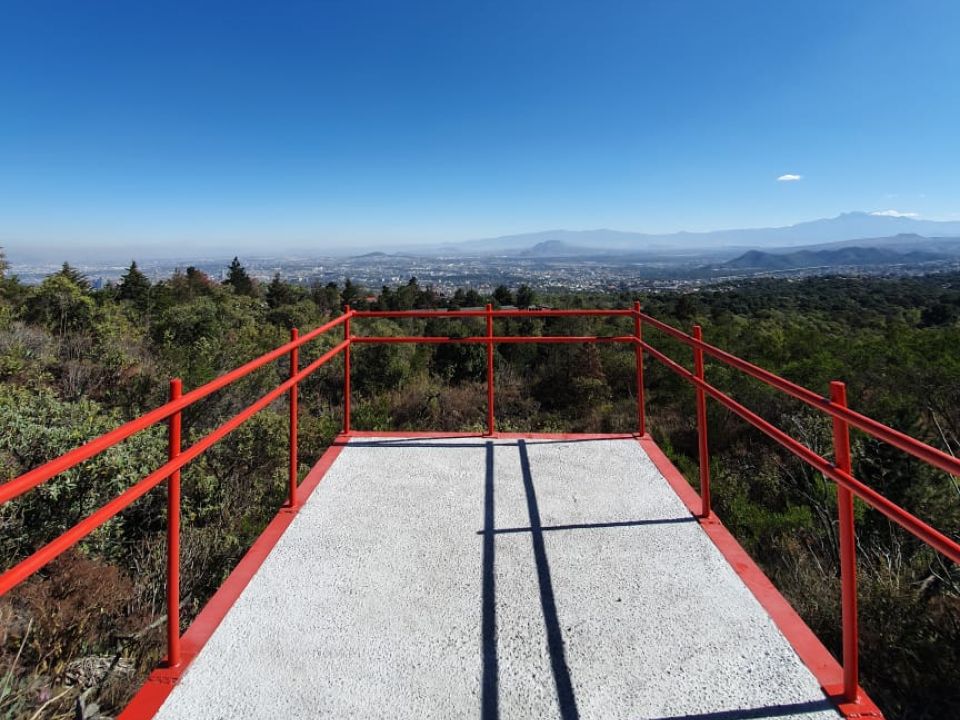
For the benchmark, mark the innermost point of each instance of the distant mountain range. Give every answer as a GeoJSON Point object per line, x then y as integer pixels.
{"type": "Point", "coordinates": [852, 226]}
{"type": "Point", "coordinates": [858, 256]}
{"type": "Point", "coordinates": [557, 248]}
{"type": "Point", "coordinates": [861, 229]}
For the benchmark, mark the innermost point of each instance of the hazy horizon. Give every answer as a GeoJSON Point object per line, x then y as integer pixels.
{"type": "Point", "coordinates": [846, 226]}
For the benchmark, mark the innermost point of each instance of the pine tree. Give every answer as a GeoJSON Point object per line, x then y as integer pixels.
{"type": "Point", "coordinates": [525, 296]}
{"type": "Point", "coordinates": [239, 280]}
{"type": "Point", "coordinates": [351, 293]}
{"type": "Point", "coordinates": [280, 293]}
{"type": "Point", "coordinates": [502, 295]}
{"type": "Point", "coordinates": [75, 276]}
{"type": "Point", "coordinates": [134, 285]}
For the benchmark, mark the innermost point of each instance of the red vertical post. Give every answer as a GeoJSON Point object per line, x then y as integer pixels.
{"type": "Point", "coordinates": [173, 533]}
{"type": "Point", "coordinates": [705, 507]}
{"type": "Point", "coordinates": [638, 333]}
{"type": "Point", "coordinates": [848, 549]}
{"type": "Point", "coordinates": [491, 428]}
{"type": "Point", "coordinates": [347, 335]}
{"type": "Point", "coordinates": [294, 462]}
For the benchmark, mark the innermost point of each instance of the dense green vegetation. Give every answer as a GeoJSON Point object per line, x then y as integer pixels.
{"type": "Point", "coordinates": [75, 362]}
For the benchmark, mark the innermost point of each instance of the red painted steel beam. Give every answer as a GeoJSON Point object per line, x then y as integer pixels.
{"type": "Point", "coordinates": [497, 339]}
{"type": "Point", "coordinates": [491, 426]}
{"type": "Point", "coordinates": [452, 314]}
{"type": "Point", "coordinates": [29, 480]}
{"type": "Point", "coordinates": [348, 338]}
{"type": "Point", "coordinates": [897, 439]}
{"type": "Point", "coordinates": [912, 524]}
{"type": "Point", "coordinates": [173, 533]}
{"type": "Point", "coordinates": [638, 351]}
{"type": "Point", "coordinates": [22, 570]}
{"type": "Point", "coordinates": [702, 441]}
{"type": "Point", "coordinates": [848, 551]}
{"type": "Point", "coordinates": [294, 459]}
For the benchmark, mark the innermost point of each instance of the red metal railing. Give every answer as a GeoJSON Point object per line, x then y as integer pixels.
{"type": "Point", "coordinates": [169, 471]}
{"type": "Point", "coordinates": [840, 470]}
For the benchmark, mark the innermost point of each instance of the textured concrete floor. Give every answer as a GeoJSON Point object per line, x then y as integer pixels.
{"type": "Point", "coordinates": [503, 578]}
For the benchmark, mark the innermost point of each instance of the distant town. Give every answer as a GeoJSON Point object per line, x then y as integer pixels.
{"type": "Point", "coordinates": [483, 273]}
{"type": "Point", "coordinates": [853, 244]}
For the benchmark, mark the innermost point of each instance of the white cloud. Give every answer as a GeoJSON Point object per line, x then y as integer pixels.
{"type": "Point", "coordinates": [894, 213]}
{"type": "Point", "coordinates": [789, 178]}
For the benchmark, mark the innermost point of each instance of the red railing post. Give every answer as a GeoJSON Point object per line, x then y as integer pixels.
{"type": "Point", "coordinates": [638, 333]}
{"type": "Point", "coordinates": [346, 371]}
{"type": "Point", "coordinates": [173, 533]}
{"type": "Point", "coordinates": [705, 505]}
{"type": "Point", "coordinates": [491, 428]}
{"type": "Point", "coordinates": [848, 549]}
{"type": "Point", "coordinates": [294, 462]}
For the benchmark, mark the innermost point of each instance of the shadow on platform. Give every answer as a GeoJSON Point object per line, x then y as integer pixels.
{"type": "Point", "coordinates": [566, 700]}
{"type": "Point", "coordinates": [773, 711]}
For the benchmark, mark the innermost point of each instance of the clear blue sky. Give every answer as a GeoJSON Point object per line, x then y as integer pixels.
{"type": "Point", "coordinates": [267, 125]}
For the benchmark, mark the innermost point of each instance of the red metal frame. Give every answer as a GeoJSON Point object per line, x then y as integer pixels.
{"type": "Point", "coordinates": [491, 427]}
{"type": "Point", "coordinates": [294, 365]}
{"type": "Point", "coordinates": [173, 534]}
{"type": "Point", "coordinates": [850, 697]}
{"type": "Point", "coordinates": [848, 548]}
{"type": "Point", "coordinates": [702, 442]}
{"type": "Point", "coordinates": [638, 351]}
{"type": "Point", "coordinates": [348, 339]}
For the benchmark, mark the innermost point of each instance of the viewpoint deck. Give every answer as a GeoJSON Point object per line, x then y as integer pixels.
{"type": "Point", "coordinates": [471, 577]}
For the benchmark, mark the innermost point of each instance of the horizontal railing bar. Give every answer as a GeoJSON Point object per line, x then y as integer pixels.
{"type": "Point", "coordinates": [25, 568]}
{"type": "Point", "coordinates": [910, 445]}
{"type": "Point", "coordinates": [912, 524]}
{"type": "Point", "coordinates": [29, 480]}
{"type": "Point", "coordinates": [424, 314]}
{"type": "Point", "coordinates": [497, 340]}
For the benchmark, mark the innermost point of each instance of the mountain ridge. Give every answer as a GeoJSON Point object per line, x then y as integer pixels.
{"type": "Point", "coordinates": [806, 258]}
{"type": "Point", "coordinates": [845, 227]}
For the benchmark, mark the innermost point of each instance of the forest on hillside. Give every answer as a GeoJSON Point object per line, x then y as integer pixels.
{"type": "Point", "coordinates": [77, 639]}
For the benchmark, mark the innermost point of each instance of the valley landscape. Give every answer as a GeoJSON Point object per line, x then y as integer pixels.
{"type": "Point", "coordinates": [856, 243]}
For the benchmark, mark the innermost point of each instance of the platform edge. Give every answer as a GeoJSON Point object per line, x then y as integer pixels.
{"type": "Point", "coordinates": [808, 647]}
{"type": "Point", "coordinates": [161, 682]}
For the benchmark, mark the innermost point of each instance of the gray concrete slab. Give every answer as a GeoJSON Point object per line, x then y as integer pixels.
{"type": "Point", "coordinates": [468, 578]}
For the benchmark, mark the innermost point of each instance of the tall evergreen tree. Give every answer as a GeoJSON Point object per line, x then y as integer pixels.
{"type": "Point", "coordinates": [134, 285]}
{"type": "Point", "coordinates": [525, 296]}
{"type": "Point", "coordinates": [239, 280]}
{"type": "Point", "coordinates": [75, 276]}
{"type": "Point", "coordinates": [351, 293]}
{"type": "Point", "coordinates": [502, 295]}
{"type": "Point", "coordinates": [280, 292]}
{"type": "Point", "coordinates": [326, 297]}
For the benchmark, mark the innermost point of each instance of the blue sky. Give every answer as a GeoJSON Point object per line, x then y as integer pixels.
{"type": "Point", "coordinates": [264, 126]}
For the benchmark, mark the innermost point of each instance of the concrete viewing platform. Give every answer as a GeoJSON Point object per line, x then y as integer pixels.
{"type": "Point", "coordinates": [506, 577]}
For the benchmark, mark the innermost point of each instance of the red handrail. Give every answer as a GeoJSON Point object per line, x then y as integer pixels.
{"type": "Point", "coordinates": [909, 522]}
{"type": "Point", "coordinates": [31, 479]}
{"type": "Point", "coordinates": [540, 312]}
{"type": "Point", "coordinates": [839, 471]}
{"type": "Point", "coordinates": [51, 550]}
{"type": "Point", "coordinates": [899, 440]}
